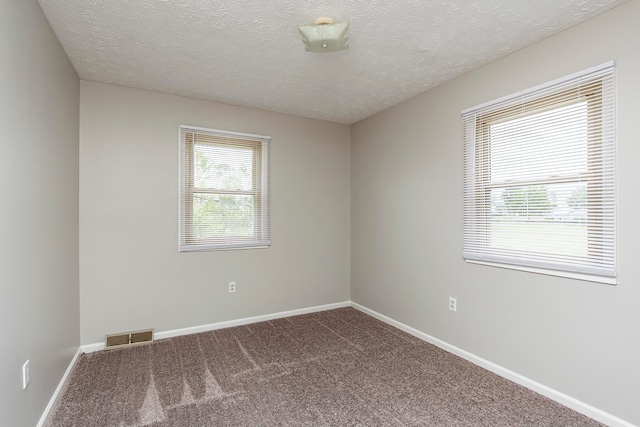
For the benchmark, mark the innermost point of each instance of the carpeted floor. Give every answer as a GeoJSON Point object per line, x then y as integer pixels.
{"type": "Point", "coordinates": [333, 368]}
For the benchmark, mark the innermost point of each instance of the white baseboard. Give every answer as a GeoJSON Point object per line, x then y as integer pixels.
{"type": "Point", "coordinates": [58, 389]}
{"type": "Point", "coordinates": [90, 348]}
{"type": "Point", "coordinates": [563, 399]}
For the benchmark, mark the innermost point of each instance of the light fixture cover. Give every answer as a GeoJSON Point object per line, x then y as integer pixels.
{"type": "Point", "coordinates": [325, 37]}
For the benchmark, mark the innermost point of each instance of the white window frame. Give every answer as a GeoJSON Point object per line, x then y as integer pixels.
{"type": "Point", "coordinates": [259, 191]}
{"type": "Point", "coordinates": [600, 263]}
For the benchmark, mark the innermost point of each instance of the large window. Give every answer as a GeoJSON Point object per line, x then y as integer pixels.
{"type": "Point", "coordinates": [539, 183]}
{"type": "Point", "coordinates": [224, 190]}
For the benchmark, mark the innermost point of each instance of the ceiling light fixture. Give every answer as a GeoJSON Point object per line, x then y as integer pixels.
{"type": "Point", "coordinates": [325, 35]}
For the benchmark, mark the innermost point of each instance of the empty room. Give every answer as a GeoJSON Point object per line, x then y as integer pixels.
{"type": "Point", "coordinates": [320, 213]}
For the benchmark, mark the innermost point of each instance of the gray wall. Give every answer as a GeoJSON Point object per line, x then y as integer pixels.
{"type": "Point", "coordinates": [39, 311]}
{"type": "Point", "coordinates": [577, 337]}
{"type": "Point", "coordinates": [131, 275]}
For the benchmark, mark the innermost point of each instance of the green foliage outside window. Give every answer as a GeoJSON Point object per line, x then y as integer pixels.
{"type": "Point", "coordinates": [216, 213]}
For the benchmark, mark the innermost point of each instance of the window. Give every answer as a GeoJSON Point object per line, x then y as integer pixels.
{"type": "Point", "coordinates": [224, 190]}
{"type": "Point", "coordinates": [539, 181]}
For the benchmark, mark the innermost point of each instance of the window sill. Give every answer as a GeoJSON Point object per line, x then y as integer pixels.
{"type": "Point", "coordinates": [577, 276]}
{"type": "Point", "coordinates": [210, 248]}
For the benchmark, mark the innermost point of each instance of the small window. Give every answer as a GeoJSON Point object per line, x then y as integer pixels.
{"type": "Point", "coordinates": [539, 179]}
{"type": "Point", "coordinates": [224, 190]}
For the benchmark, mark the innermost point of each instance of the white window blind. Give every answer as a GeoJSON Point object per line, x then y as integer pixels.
{"type": "Point", "coordinates": [539, 178]}
{"type": "Point", "coordinates": [224, 190]}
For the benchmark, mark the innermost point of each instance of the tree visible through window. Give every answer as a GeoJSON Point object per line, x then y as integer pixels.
{"type": "Point", "coordinates": [536, 166]}
{"type": "Point", "coordinates": [224, 190]}
{"type": "Point", "coordinates": [539, 177]}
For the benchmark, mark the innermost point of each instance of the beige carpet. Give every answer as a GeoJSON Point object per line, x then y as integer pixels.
{"type": "Point", "coordinates": [334, 368]}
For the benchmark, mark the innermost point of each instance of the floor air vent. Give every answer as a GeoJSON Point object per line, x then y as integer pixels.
{"type": "Point", "coordinates": [127, 339]}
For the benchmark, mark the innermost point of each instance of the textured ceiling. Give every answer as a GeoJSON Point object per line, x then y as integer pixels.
{"type": "Point", "coordinates": [249, 53]}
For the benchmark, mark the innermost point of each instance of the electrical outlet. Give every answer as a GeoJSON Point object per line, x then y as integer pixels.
{"type": "Point", "coordinates": [232, 287]}
{"type": "Point", "coordinates": [25, 375]}
{"type": "Point", "coordinates": [452, 304]}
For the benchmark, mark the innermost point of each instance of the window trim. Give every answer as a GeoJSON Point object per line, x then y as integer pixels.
{"type": "Point", "coordinates": [480, 152]}
{"type": "Point", "coordinates": [259, 145]}
{"type": "Point", "coordinates": [548, 272]}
